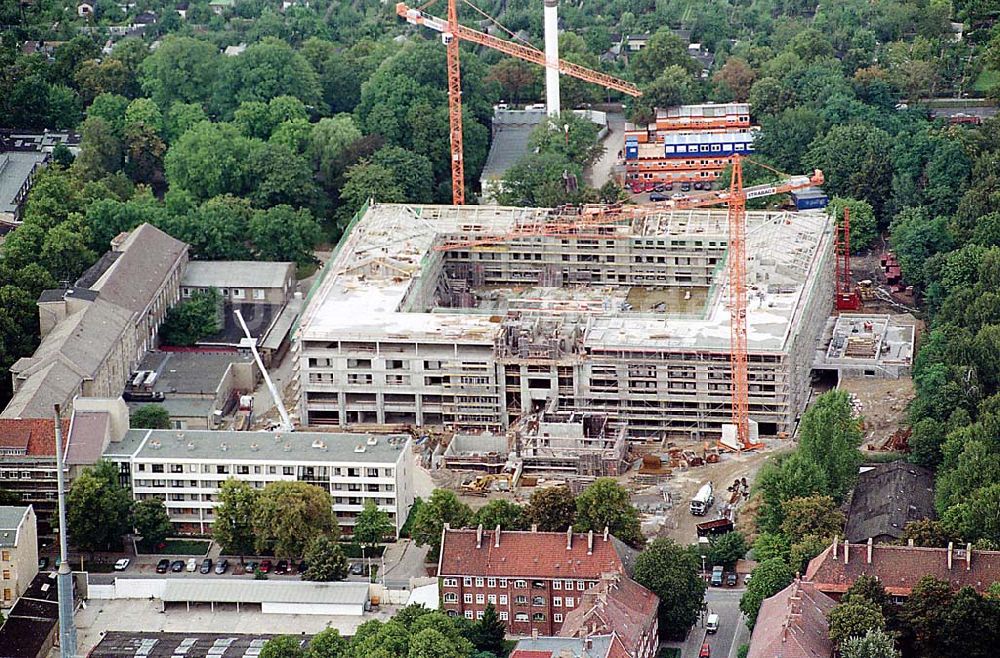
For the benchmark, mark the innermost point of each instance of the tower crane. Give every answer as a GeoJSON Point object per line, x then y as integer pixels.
{"type": "Point", "coordinates": [604, 221]}
{"type": "Point", "coordinates": [451, 33]}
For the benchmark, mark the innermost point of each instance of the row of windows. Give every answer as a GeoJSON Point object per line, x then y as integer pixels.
{"type": "Point", "coordinates": [468, 581]}
{"type": "Point", "coordinates": [235, 293]}
{"type": "Point", "coordinates": [494, 599]}
{"type": "Point", "coordinates": [245, 469]}
{"type": "Point", "coordinates": [520, 616]}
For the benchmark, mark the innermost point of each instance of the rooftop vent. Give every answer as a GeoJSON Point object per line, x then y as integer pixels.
{"type": "Point", "coordinates": [180, 435]}
{"type": "Point", "coordinates": [319, 444]}
{"type": "Point", "coordinates": [155, 445]}
{"type": "Point", "coordinates": [190, 445]}
{"type": "Point", "coordinates": [223, 446]}
{"type": "Point", "coordinates": [254, 447]}
{"type": "Point", "coordinates": [372, 440]}
{"type": "Point", "coordinates": [287, 447]}
{"type": "Point", "coordinates": [359, 448]}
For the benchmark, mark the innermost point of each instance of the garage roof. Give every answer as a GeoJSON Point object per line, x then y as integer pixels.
{"type": "Point", "coordinates": [221, 590]}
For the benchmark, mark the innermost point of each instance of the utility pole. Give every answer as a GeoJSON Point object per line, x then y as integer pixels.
{"type": "Point", "coordinates": [67, 627]}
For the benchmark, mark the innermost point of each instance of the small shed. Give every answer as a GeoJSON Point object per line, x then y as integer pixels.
{"type": "Point", "coordinates": [274, 597]}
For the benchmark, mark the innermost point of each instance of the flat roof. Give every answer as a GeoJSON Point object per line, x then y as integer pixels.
{"type": "Point", "coordinates": [218, 445]}
{"type": "Point", "coordinates": [15, 169]}
{"type": "Point", "coordinates": [364, 289]}
{"type": "Point", "coordinates": [152, 644]}
{"type": "Point", "coordinates": [190, 372]}
{"type": "Point", "coordinates": [223, 590]}
{"type": "Point", "coordinates": [236, 274]}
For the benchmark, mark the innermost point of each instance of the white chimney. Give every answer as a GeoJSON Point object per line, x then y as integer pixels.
{"type": "Point", "coordinates": [951, 548]}
{"type": "Point", "coordinates": [590, 542]}
{"type": "Point", "coordinates": [606, 530]}
{"type": "Point", "coordinates": [847, 549]}
{"type": "Point", "coordinates": [836, 540]}
{"type": "Point", "coordinates": [479, 536]}
{"type": "Point", "coordinates": [496, 537]}
{"type": "Point", "coordinates": [870, 546]}
{"type": "Point", "coordinates": [569, 538]}
{"type": "Point", "coordinates": [551, 16]}
{"type": "Point", "coordinates": [968, 557]}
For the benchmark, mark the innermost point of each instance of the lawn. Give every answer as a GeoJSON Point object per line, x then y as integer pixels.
{"type": "Point", "coordinates": [987, 80]}
{"type": "Point", "coordinates": [177, 547]}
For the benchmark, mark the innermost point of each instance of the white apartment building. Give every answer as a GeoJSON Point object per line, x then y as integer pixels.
{"type": "Point", "coordinates": [186, 469]}
{"type": "Point", "coordinates": [18, 552]}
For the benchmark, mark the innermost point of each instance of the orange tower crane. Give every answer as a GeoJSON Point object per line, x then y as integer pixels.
{"type": "Point", "coordinates": [847, 297]}
{"type": "Point", "coordinates": [451, 32]}
{"type": "Point", "coordinates": [604, 222]}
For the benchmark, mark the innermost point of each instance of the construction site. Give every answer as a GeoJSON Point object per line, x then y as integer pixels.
{"type": "Point", "coordinates": [421, 319]}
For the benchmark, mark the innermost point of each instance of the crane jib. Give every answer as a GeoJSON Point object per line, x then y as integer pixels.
{"type": "Point", "coordinates": [754, 192]}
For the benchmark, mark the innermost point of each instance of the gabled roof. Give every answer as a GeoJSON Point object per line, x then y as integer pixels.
{"type": "Point", "coordinates": [54, 384]}
{"type": "Point", "coordinates": [132, 280]}
{"type": "Point", "coordinates": [616, 605]}
{"type": "Point", "coordinates": [529, 554]}
{"type": "Point", "coordinates": [900, 567]}
{"type": "Point", "coordinates": [886, 498]}
{"type": "Point", "coordinates": [596, 646]}
{"type": "Point", "coordinates": [792, 624]}
{"type": "Point", "coordinates": [36, 434]}
{"type": "Point", "coordinates": [236, 274]}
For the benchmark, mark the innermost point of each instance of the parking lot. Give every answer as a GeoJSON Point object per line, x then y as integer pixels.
{"type": "Point", "coordinates": [145, 566]}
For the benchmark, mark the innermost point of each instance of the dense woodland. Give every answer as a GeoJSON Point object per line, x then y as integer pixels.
{"type": "Point", "coordinates": [268, 153]}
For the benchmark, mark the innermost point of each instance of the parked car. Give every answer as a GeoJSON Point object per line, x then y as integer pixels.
{"type": "Point", "coordinates": [265, 566]}
{"type": "Point", "coordinates": [206, 565]}
{"type": "Point", "coordinates": [712, 623]}
{"type": "Point", "coordinates": [677, 196]}
{"type": "Point", "coordinates": [302, 567]}
{"type": "Point", "coordinates": [281, 568]}
{"type": "Point", "coordinates": [746, 579]}
{"type": "Point", "coordinates": [222, 566]}
{"type": "Point", "coordinates": [697, 186]}
{"type": "Point", "coordinates": [177, 566]}
{"type": "Point", "coordinates": [192, 564]}
{"type": "Point", "coordinates": [357, 568]}
{"type": "Point", "coordinates": [685, 187]}
{"type": "Point", "coordinates": [43, 563]}
{"type": "Point", "coordinates": [717, 576]}
{"type": "Point", "coordinates": [731, 579]}
{"type": "Point", "coordinates": [122, 564]}
{"type": "Point", "coordinates": [657, 196]}
{"type": "Point", "coordinates": [250, 566]}
{"type": "Point", "coordinates": [669, 187]}
{"type": "Point", "coordinates": [163, 566]}
{"type": "Point", "coordinates": [706, 651]}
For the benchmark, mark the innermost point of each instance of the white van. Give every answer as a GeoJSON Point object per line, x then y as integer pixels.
{"type": "Point", "coordinates": [712, 625]}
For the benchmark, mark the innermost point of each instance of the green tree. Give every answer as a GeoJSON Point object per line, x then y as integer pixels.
{"type": "Point", "coordinates": [209, 159]}
{"type": "Point", "coordinates": [779, 480]}
{"type": "Point", "coordinates": [328, 142]}
{"type": "Point", "coordinates": [488, 633]}
{"type": "Point", "coordinates": [863, 225]}
{"type": "Point", "coordinates": [925, 612]}
{"type": "Point", "coordinates": [325, 560]}
{"type": "Point", "coordinates": [279, 176]}
{"type": "Point", "coordinates": [233, 528]}
{"type": "Point", "coordinates": [100, 150]}
{"type": "Point", "coordinates": [365, 181]}
{"type": "Point", "coordinates": [517, 79]}
{"type": "Point", "coordinates": [217, 230]}
{"type": "Point", "coordinates": [804, 550]}
{"type": "Point", "coordinates": [192, 319]}
{"type": "Point", "coordinates": [282, 646]}
{"type": "Point", "coordinates": [282, 233]}
{"type": "Point", "coordinates": [971, 625]}
{"type": "Point", "coordinates": [289, 515]}
{"type": "Point", "coordinates": [266, 70]}
{"type": "Point", "coordinates": [769, 545]}
{"type": "Point", "coordinates": [572, 137]}
{"type": "Point", "coordinates": [151, 521]}
{"type": "Point", "coordinates": [551, 509]}
{"type": "Point", "coordinates": [411, 171]}
{"type": "Point", "coordinates": [500, 512]}
{"type": "Point", "coordinates": [978, 516]}
{"type": "Point", "coordinates": [180, 118]}
{"type": "Point", "coordinates": [928, 533]}
{"type": "Point", "coordinates": [916, 237]}
{"type": "Point", "coordinates": [767, 579]}
{"type": "Point", "coordinates": [854, 618]}
{"type": "Point", "coordinates": [672, 573]}
{"type": "Point", "coordinates": [98, 508]}
{"type": "Point", "coordinates": [150, 416]}
{"type": "Point", "coordinates": [606, 504]}
{"type": "Point", "coordinates": [442, 507]}
{"type": "Point", "coordinates": [853, 160]}
{"type": "Point", "coordinates": [811, 515]}
{"type": "Point", "coordinates": [664, 50]}
{"type": "Point", "coordinates": [726, 549]}
{"type": "Point", "coordinates": [182, 69]}
{"type": "Point", "coordinates": [829, 436]}
{"type": "Point", "coordinates": [145, 112]}
{"type": "Point", "coordinates": [65, 253]}
{"type": "Point", "coordinates": [785, 136]}
{"type": "Point", "coordinates": [328, 643]}
{"type": "Point", "coordinates": [372, 525]}
{"type": "Point", "coordinates": [876, 643]}
{"type": "Point", "coordinates": [111, 109]}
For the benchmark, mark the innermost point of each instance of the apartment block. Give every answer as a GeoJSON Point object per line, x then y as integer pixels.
{"type": "Point", "coordinates": [18, 552]}
{"type": "Point", "coordinates": [474, 317]}
{"type": "Point", "coordinates": [533, 579]}
{"type": "Point", "coordinates": [186, 468]}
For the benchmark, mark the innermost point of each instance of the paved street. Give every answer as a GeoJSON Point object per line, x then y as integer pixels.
{"type": "Point", "coordinates": [724, 602]}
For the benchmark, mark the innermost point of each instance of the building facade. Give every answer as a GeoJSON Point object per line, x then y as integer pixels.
{"type": "Point", "coordinates": [18, 552]}
{"type": "Point", "coordinates": [533, 579]}
{"type": "Point", "coordinates": [239, 281]}
{"type": "Point", "coordinates": [28, 466]}
{"type": "Point", "coordinates": [186, 468]}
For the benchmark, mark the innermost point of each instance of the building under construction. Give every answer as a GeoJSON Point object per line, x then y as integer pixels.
{"type": "Point", "coordinates": [451, 316]}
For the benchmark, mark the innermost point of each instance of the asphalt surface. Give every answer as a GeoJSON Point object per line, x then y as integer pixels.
{"type": "Point", "coordinates": [725, 602]}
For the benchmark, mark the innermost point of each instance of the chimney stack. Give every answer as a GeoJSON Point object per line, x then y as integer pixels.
{"type": "Point", "coordinates": [836, 540]}
{"type": "Point", "coordinates": [968, 557]}
{"type": "Point", "coordinates": [909, 542]}
{"type": "Point", "coordinates": [479, 536]}
{"type": "Point", "coordinates": [550, 14]}
{"type": "Point", "coordinates": [951, 549]}
{"type": "Point", "coordinates": [847, 550]}
{"type": "Point", "coordinates": [590, 542]}
{"type": "Point", "coordinates": [870, 546]}
{"type": "Point", "coordinates": [569, 538]}
{"type": "Point", "coordinates": [534, 527]}
{"type": "Point", "coordinates": [496, 537]}
{"type": "Point", "coordinates": [534, 633]}
{"type": "Point", "coordinates": [606, 531]}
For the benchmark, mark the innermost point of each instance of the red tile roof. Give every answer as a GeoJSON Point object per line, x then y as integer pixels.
{"type": "Point", "coordinates": [528, 554]}
{"type": "Point", "coordinates": [900, 567]}
{"type": "Point", "coordinates": [618, 606]}
{"type": "Point", "coordinates": [36, 435]}
{"type": "Point", "coordinates": [792, 624]}
{"type": "Point", "coordinates": [523, 653]}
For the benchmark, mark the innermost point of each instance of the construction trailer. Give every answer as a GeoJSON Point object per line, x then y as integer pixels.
{"type": "Point", "coordinates": [632, 324]}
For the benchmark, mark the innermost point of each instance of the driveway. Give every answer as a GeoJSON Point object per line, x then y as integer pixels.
{"type": "Point", "coordinates": [403, 560]}
{"type": "Point", "coordinates": [733, 632]}
{"type": "Point", "coordinates": [614, 141]}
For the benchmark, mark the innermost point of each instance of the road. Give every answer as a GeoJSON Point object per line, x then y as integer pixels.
{"type": "Point", "coordinates": [600, 172]}
{"type": "Point", "coordinates": [724, 602]}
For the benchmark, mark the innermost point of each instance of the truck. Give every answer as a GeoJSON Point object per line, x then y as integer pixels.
{"type": "Point", "coordinates": [717, 576]}
{"type": "Point", "coordinates": [703, 500]}
{"type": "Point", "coordinates": [716, 527]}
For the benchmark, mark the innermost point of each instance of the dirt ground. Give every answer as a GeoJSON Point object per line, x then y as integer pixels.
{"type": "Point", "coordinates": [883, 405]}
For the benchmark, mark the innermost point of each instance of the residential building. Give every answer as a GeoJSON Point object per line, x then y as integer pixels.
{"type": "Point", "coordinates": [33, 623]}
{"type": "Point", "coordinates": [886, 498]}
{"type": "Point", "coordinates": [18, 552]}
{"type": "Point", "coordinates": [186, 468]}
{"type": "Point", "coordinates": [28, 466]}
{"type": "Point", "coordinates": [95, 333]}
{"type": "Point", "coordinates": [793, 624]}
{"type": "Point", "coordinates": [255, 282]}
{"type": "Point", "coordinates": [17, 175]}
{"type": "Point", "coordinates": [621, 608]}
{"type": "Point", "coordinates": [900, 567]}
{"type": "Point", "coordinates": [594, 646]}
{"type": "Point", "coordinates": [533, 579]}
{"type": "Point", "coordinates": [461, 321]}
